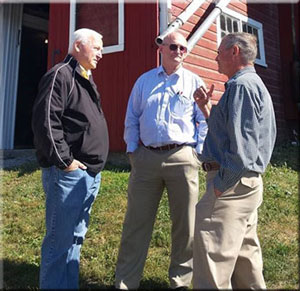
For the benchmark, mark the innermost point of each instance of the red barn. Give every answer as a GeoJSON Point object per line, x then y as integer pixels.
{"type": "Point", "coordinates": [36, 36]}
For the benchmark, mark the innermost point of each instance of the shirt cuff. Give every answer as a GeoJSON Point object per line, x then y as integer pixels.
{"type": "Point", "coordinates": [131, 147]}
{"type": "Point", "coordinates": [219, 184]}
{"type": "Point", "coordinates": [199, 148]}
{"type": "Point", "coordinates": [65, 164]}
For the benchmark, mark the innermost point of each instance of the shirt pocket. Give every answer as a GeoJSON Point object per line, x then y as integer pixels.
{"type": "Point", "coordinates": [181, 106]}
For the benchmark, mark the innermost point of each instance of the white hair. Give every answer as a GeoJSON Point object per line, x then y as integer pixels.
{"type": "Point", "coordinates": [246, 42]}
{"type": "Point", "coordinates": [83, 35]}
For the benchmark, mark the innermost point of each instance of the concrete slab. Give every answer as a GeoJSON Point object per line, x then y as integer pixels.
{"type": "Point", "coordinates": [14, 158]}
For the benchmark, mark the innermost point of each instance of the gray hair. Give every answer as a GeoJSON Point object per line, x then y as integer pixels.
{"type": "Point", "coordinates": [246, 42]}
{"type": "Point", "coordinates": [83, 35]}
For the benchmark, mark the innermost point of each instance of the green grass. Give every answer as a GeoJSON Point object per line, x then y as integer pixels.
{"type": "Point", "coordinates": [23, 227]}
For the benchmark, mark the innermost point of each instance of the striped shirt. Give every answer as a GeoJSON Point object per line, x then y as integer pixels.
{"type": "Point", "coordinates": [241, 129]}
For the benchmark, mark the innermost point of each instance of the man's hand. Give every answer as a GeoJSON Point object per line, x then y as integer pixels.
{"type": "Point", "coordinates": [202, 98]}
{"type": "Point", "coordinates": [75, 165]}
{"type": "Point", "coordinates": [217, 192]}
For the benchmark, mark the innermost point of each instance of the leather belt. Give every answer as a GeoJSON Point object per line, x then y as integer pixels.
{"type": "Point", "coordinates": [210, 166]}
{"type": "Point", "coordinates": [167, 147]}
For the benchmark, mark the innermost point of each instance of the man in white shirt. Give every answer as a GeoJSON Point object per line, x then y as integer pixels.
{"type": "Point", "coordinates": [164, 133]}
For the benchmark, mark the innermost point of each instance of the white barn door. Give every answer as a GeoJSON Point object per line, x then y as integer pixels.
{"type": "Point", "coordinates": [10, 35]}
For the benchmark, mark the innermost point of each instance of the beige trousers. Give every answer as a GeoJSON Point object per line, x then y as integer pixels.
{"type": "Point", "coordinates": [227, 253]}
{"type": "Point", "coordinates": [151, 172]}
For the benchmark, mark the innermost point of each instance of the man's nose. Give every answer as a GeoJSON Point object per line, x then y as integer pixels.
{"type": "Point", "coordinates": [178, 49]}
{"type": "Point", "coordinates": [99, 54]}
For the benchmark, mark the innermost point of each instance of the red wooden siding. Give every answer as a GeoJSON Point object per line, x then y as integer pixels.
{"type": "Point", "coordinates": [202, 58]}
{"type": "Point", "coordinates": [116, 72]}
{"type": "Point", "coordinates": [289, 55]}
{"type": "Point", "coordinates": [59, 15]}
{"type": "Point", "coordinates": [267, 14]}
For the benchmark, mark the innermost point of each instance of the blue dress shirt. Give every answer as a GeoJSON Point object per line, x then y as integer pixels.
{"type": "Point", "coordinates": [241, 129]}
{"type": "Point", "coordinates": [161, 110]}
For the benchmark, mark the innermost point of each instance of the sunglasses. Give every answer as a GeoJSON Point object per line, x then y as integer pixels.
{"type": "Point", "coordinates": [174, 47]}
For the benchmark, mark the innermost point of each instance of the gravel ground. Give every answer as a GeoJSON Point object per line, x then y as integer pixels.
{"type": "Point", "coordinates": [14, 158]}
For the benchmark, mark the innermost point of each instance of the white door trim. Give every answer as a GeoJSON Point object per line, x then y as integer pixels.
{"type": "Point", "coordinates": [11, 23]}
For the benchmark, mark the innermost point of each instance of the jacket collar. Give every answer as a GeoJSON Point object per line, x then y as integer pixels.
{"type": "Point", "coordinates": [75, 65]}
{"type": "Point", "coordinates": [71, 60]}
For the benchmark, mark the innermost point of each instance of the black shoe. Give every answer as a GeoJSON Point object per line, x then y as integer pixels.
{"type": "Point", "coordinates": [181, 288]}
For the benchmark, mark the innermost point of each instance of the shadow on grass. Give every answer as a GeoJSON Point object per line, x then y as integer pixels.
{"type": "Point", "coordinates": [149, 284]}
{"type": "Point", "coordinates": [20, 275]}
{"type": "Point", "coordinates": [117, 168]}
{"type": "Point", "coordinates": [154, 284]}
{"type": "Point", "coordinates": [26, 168]}
{"type": "Point", "coordinates": [26, 276]}
{"type": "Point", "coordinates": [31, 167]}
{"type": "Point", "coordinates": [286, 154]}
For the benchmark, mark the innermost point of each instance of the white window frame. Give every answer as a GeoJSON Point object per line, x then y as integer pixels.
{"type": "Point", "coordinates": [256, 24]}
{"type": "Point", "coordinates": [107, 49]}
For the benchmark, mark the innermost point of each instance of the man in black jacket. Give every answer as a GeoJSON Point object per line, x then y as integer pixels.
{"type": "Point", "coordinates": [71, 140]}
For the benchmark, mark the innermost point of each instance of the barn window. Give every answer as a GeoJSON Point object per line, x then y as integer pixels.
{"type": "Point", "coordinates": [230, 21]}
{"type": "Point", "coordinates": [105, 17]}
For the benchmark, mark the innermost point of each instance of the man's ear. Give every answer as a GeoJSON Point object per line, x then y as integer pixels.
{"type": "Point", "coordinates": [235, 50]}
{"type": "Point", "coordinates": [77, 46]}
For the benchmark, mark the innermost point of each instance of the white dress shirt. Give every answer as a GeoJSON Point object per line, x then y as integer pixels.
{"type": "Point", "coordinates": [161, 110]}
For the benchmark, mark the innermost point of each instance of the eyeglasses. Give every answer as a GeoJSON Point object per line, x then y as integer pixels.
{"type": "Point", "coordinates": [174, 47]}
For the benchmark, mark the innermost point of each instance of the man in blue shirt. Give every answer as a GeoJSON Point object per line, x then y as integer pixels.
{"type": "Point", "coordinates": [164, 131]}
{"type": "Point", "coordinates": [238, 147]}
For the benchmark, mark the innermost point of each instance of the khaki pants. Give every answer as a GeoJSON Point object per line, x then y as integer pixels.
{"type": "Point", "coordinates": [177, 170]}
{"type": "Point", "coordinates": [227, 253]}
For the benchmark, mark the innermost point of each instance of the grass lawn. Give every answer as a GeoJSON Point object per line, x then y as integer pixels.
{"type": "Point", "coordinates": [22, 227]}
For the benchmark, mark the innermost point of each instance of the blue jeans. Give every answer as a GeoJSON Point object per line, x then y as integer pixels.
{"type": "Point", "coordinates": [69, 198]}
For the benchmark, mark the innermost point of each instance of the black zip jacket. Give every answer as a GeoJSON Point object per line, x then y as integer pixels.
{"type": "Point", "coordinates": [68, 122]}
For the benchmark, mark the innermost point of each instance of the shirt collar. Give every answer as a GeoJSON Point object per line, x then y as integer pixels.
{"type": "Point", "coordinates": [248, 69]}
{"type": "Point", "coordinates": [161, 70]}
{"type": "Point", "coordinates": [85, 73]}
